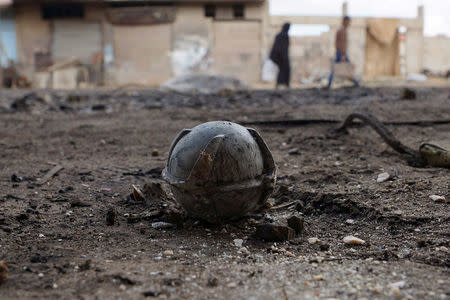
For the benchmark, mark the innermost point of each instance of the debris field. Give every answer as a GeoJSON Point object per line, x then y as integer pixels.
{"type": "Point", "coordinates": [84, 212]}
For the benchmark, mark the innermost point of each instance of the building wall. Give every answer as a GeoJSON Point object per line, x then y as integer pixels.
{"type": "Point", "coordinates": [437, 54]}
{"type": "Point", "coordinates": [237, 50]}
{"type": "Point", "coordinates": [414, 50]}
{"type": "Point", "coordinates": [307, 63]}
{"type": "Point", "coordinates": [33, 34]}
{"type": "Point", "coordinates": [193, 40]}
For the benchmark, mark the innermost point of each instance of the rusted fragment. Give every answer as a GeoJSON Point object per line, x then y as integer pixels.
{"type": "Point", "coordinates": [274, 233]}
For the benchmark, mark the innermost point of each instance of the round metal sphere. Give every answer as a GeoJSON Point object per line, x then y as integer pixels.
{"type": "Point", "coordinates": [220, 170]}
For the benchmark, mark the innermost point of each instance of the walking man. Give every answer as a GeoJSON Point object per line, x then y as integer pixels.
{"type": "Point", "coordinates": [341, 48]}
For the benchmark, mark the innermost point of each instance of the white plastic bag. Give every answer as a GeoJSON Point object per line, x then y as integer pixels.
{"type": "Point", "coordinates": [269, 71]}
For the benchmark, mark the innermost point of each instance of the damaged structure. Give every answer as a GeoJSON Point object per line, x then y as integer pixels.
{"type": "Point", "coordinates": [138, 42]}
{"type": "Point", "coordinates": [77, 43]}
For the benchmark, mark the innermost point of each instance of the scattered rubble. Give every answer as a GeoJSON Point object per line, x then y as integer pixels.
{"type": "Point", "coordinates": [137, 193]}
{"type": "Point", "coordinates": [238, 242]}
{"type": "Point", "coordinates": [274, 233]}
{"type": "Point", "coordinates": [438, 198]}
{"type": "Point", "coordinates": [382, 177]}
{"type": "Point", "coordinates": [352, 240]}
{"type": "Point", "coordinates": [408, 94]}
{"type": "Point", "coordinates": [111, 216]}
{"type": "Point", "coordinates": [293, 151]}
{"type": "Point", "coordinates": [162, 225]}
{"type": "Point", "coordinates": [296, 223]}
{"type": "Point", "coordinates": [3, 271]}
{"type": "Point", "coordinates": [203, 84]}
{"type": "Point", "coordinates": [318, 278]}
{"type": "Point", "coordinates": [313, 240]}
{"type": "Point", "coordinates": [213, 282]}
{"type": "Point", "coordinates": [50, 174]}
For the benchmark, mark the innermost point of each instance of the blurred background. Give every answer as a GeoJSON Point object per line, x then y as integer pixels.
{"type": "Point", "coordinates": [82, 44]}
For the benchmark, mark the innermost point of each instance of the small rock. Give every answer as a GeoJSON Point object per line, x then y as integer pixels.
{"type": "Point", "coordinates": [293, 151]}
{"type": "Point", "coordinates": [155, 153]}
{"type": "Point", "coordinates": [172, 281]}
{"type": "Point", "coordinates": [41, 235]}
{"type": "Point", "coordinates": [296, 223]}
{"type": "Point", "coordinates": [213, 282]}
{"type": "Point", "coordinates": [396, 291]}
{"type": "Point", "coordinates": [137, 193]}
{"type": "Point", "coordinates": [162, 225]}
{"type": "Point", "coordinates": [382, 177]}
{"type": "Point", "coordinates": [151, 293]}
{"type": "Point", "coordinates": [350, 221]}
{"type": "Point", "coordinates": [15, 178]}
{"type": "Point", "coordinates": [353, 240]}
{"type": "Point", "coordinates": [79, 203]}
{"type": "Point", "coordinates": [313, 240]}
{"type": "Point", "coordinates": [398, 284]}
{"type": "Point", "coordinates": [421, 243]}
{"type": "Point", "coordinates": [238, 242]}
{"type": "Point", "coordinates": [377, 289]}
{"type": "Point", "coordinates": [3, 271]}
{"type": "Point", "coordinates": [168, 253]}
{"type": "Point", "coordinates": [244, 250]}
{"type": "Point", "coordinates": [232, 285]}
{"type": "Point", "coordinates": [438, 198]}
{"type": "Point", "coordinates": [85, 266]}
{"type": "Point", "coordinates": [324, 246]}
{"type": "Point", "coordinates": [318, 278]}
{"type": "Point", "coordinates": [408, 94]}
{"type": "Point", "coordinates": [274, 233]}
{"type": "Point", "coordinates": [289, 254]}
{"type": "Point", "coordinates": [111, 216]}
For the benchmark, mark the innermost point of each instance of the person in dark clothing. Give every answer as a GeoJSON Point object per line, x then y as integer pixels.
{"type": "Point", "coordinates": [280, 56]}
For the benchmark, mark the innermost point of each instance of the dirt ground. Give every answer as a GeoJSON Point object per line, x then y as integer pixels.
{"type": "Point", "coordinates": [57, 243]}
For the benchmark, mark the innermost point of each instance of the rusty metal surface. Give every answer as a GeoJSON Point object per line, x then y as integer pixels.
{"type": "Point", "coordinates": [220, 170]}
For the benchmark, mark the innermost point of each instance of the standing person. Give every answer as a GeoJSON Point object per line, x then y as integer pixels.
{"type": "Point", "coordinates": [341, 47]}
{"type": "Point", "coordinates": [280, 56]}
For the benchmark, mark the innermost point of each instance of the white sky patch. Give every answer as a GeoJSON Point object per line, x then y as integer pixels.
{"type": "Point", "coordinates": [436, 12]}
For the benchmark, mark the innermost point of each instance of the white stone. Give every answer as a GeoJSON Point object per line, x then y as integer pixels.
{"type": "Point", "coordinates": [313, 240]}
{"type": "Point", "coordinates": [398, 284]}
{"type": "Point", "coordinates": [318, 278]}
{"type": "Point", "coordinates": [162, 225]}
{"type": "Point", "coordinates": [238, 242]}
{"type": "Point", "coordinates": [350, 221]}
{"type": "Point", "coordinates": [289, 253]}
{"type": "Point", "coordinates": [438, 198]}
{"type": "Point", "coordinates": [353, 240]}
{"type": "Point", "coordinates": [382, 177]}
{"type": "Point", "coordinates": [168, 253]}
{"type": "Point", "coordinates": [244, 251]}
